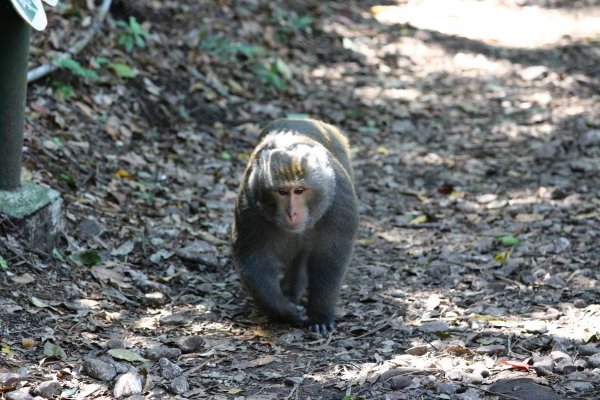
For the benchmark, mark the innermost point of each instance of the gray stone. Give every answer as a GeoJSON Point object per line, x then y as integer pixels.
{"type": "Point", "coordinates": [128, 384]}
{"type": "Point", "coordinates": [400, 382]}
{"type": "Point", "coordinates": [8, 379]}
{"type": "Point", "coordinates": [417, 350]}
{"type": "Point", "coordinates": [89, 228]}
{"type": "Point", "coordinates": [565, 366]}
{"type": "Point", "coordinates": [491, 349]}
{"type": "Point", "coordinates": [36, 212]}
{"type": "Point", "coordinates": [174, 319]}
{"type": "Point", "coordinates": [558, 355]}
{"type": "Point", "coordinates": [48, 389]}
{"type": "Point", "coordinates": [168, 369]}
{"type": "Point", "coordinates": [190, 344]}
{"type": "Point", "coordinates": [19, 395]}
{"type": "Point", "coordinates": [535, 326]}
{"type": "Point", "coordinates": [158, 352]}
{"type": "Point", "coordinates": [115, 343]}
{"type": "Point", "coordinates": [445, 388]}
{"type": "Point", "coordinates": [293, 380]}
{"type": "Point", "coordinates": [594, 360]}
{"type": "Point", "coordinates": [180, 385]}
{"type": "Point", "coordinates": [100, 370]}
{"type": "Point", "coordinates": [590, 138]}
{"type": "Point", "coordinates": [579, 382]}
{"type": "Point", "coordinates": [347, 343]}
{"type": "Point", "coordinates": [588, 349]}
{"type": "Point", "coordinates": [544, 366]}
{"type": "Point", "coordinates": [434, 327]}
{"type": "Point", "coordinates": [403, 126]}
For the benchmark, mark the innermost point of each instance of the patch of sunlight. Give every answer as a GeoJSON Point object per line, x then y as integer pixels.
{"type": "Point", "coordinates": [494, 23]}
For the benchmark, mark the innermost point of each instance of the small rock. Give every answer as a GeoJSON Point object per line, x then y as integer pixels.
{"type": "Point", "coordinates": [485, 245]}
{"type": "Point", "coordinates": [195, 250]}
{"type": "Point", "coordinates": [580, 303]}
{"type": "Point", "coordinates": [115, 343]}
{"type": "Point", "coordinates": [9, 379]}
{"type": "Point", "coordinates": [155, 299]}
{"type": "Point", "coordinates": [180, 385]}
{"type": "Point", "coordinates": [190, 344]}
{"type": "Point", "coordinates": [158, 352]}
{"type": "Point", "coordinates": [293, 380]}
{"type": "Point", "coordinates": [555, 282]}
{"type": "Point", "coordinates": [417, 350]}
{"type": "Point", "coordinates": [534, 72]}
{"type": "Point", "coordinates": [558, 355]}
{"type": "Point", "coordinates": [137, 397]}
{"type": "Point", "coordinates": [594, 360]}
{"type": "Point", "coordinates": [491, 349]}
{"type": "Point", "coordinates": [561, 245]}
{"type": "Point", "coordinates": [434, 327]}
{"type": "Point", "coordinates": [400, 382]}
{"type": "Point", "coordinates": [548, 151]}
{"type": "Point", "coordinates": [89, 229]}
{"type": "Point", "coordinates": [347, 343]}
{"type": "Point", "coordinates": [581, 364]}
{"type": "Point", "coordinates": [403, 126]}
{"type": "Point", "coordinates": [445, 388]}
{"type": "Point", "coordinates": [535, 326]}
{"type": "Point", "coordinates": [128, 384]}
{"type": "Point", "coordinates": [565, 366]}
{"type": "Point", "coordinates": [48, 389]}
{"type": "Point", "coordinates": [590, 138]}
{"type": "Point", "coordinates": [174, 320]}
{"type": "Point", "coordinates": [588, 349]}
{"type": "Point", "coordinates": [168, 369]}
{"type": "Point", "coordinates": [18, 395]}
{"type": "Point", "coordinates": [579, 382]}
{"type": "Point", "coordinates": [544, 366]}
{"type": "Point", "coordinates": [100, 370]}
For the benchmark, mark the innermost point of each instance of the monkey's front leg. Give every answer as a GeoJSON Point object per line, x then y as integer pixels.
{"type": "Point", "coordinates": [261, 277]}
{"type": "Point", "coordinates": [325, 275]}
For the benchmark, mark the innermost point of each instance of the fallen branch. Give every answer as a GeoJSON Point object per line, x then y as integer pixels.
{"type": "Point", "coordinates": [46, 69]}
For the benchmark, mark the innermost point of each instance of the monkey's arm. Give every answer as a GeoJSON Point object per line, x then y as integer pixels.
{"type": "Point", "coordinates": [259, 268]}
{"type": "Point", "coordinates": [260, 276]}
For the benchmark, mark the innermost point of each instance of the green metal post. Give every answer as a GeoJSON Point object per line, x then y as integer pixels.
{"type": "Point", "coordinates": [14, 52]}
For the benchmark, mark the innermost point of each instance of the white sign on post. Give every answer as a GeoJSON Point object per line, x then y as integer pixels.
{"type": "Point", "coordinates": [32, 11]}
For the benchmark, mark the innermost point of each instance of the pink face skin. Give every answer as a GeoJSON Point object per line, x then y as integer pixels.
{"type": "Point", "coordinates": [292, 207]}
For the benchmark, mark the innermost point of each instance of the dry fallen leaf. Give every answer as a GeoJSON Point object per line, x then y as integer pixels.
{"type": "Point", "coordinates": [520, 365]}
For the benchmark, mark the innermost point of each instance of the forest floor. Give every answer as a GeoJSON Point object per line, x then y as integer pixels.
{"type": "Point", "coordinates": [476, 141]}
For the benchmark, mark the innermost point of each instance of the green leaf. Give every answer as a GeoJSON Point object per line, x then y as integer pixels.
{"type": "Point", "coordinates": [3, 264]}
{"type": "Point", "coordinates": [283, 68]}
{"type": "Point", "coordinates": [225, 155]}
{"type": "Point", "coordinates": [38, 303]}
{"type": "Point", "coordinates": [508, 240]}
{"type": "Point", "coordinates": [87, 258]}
{"type": "Point", "coordinates": [123, 70]}
{"type": "Point", "coordinates": [68, 179]}
{"type": "Point", "coordinates": [127, 355]}
{"type": "Point", "coordinates": [59, 255]}
{"type": "Point", "coordinates": [52, 350]}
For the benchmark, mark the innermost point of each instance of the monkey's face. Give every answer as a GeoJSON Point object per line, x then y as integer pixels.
{"type": "Point", "coordinates": [294, 184]}
{"type": "Point", "coordinates": [292, 207]}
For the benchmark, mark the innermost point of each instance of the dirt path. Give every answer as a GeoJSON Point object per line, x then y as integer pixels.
{"type": "Point", "coordinates": [477, 163]}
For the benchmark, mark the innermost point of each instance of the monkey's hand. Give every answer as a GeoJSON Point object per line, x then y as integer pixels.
{"type": "Point", "coordinates": [321, 326]}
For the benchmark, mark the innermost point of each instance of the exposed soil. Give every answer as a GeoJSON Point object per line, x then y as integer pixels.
{"type": "Point", "coordinates": [477, 269]}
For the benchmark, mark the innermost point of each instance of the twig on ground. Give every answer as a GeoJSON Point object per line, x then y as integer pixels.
{"type": "Point", "coordinates": [46, 69]}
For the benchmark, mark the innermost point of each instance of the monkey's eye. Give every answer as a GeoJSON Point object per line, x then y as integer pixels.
{"type": "Point", "coordinates": [283, 192]}
{"type": "Point", "coordinates": [299, 190]}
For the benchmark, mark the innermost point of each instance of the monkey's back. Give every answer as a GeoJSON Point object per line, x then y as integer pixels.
{"type": "Point", "coordinates": [327, 135]}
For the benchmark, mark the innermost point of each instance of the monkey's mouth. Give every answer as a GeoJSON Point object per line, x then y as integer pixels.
{"type": "Point", "coordinates": [293, 228]}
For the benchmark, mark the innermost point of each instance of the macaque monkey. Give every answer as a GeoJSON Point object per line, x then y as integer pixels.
{"type": "Point", "coordinates": [296, 221]}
